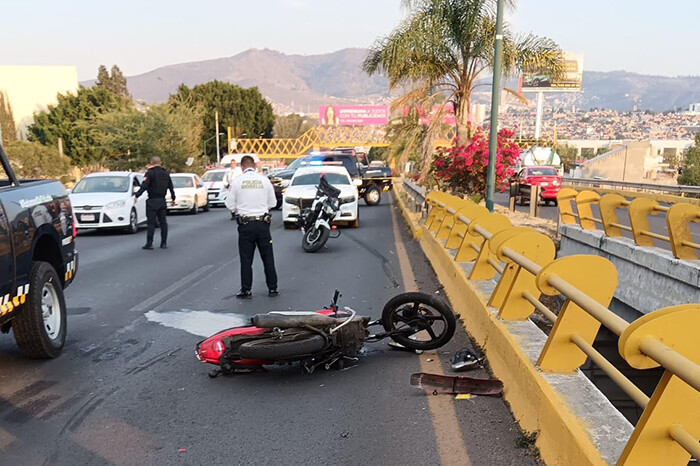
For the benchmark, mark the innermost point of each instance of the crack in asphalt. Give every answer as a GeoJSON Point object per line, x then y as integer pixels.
{"type": "Point", "coordinates": [386, 267]}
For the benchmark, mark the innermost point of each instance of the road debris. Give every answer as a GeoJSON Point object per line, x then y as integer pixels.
{"type": "Point", "coordinates": [398, 346]}
{"type": "Point", "coordinates": [456, 384]}
{"type": "Point", "coordinates": [465, 360]}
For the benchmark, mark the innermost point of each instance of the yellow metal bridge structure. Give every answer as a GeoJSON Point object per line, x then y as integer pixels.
{"type": "Point", "coordinates": [320, 137]}
{"type": "Point", "coordinates": [326, 137]}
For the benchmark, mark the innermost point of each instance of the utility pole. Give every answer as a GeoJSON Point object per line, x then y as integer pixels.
{"type": "Point", "coordinates": [216, 131]}
{"type": "Point", "coordinates": [538, 120]}
{"type": "Point", "coordinates": [495, 102]}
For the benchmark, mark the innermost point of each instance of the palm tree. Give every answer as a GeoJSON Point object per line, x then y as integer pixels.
{"type": "Point", "coordinates": [442, 48]}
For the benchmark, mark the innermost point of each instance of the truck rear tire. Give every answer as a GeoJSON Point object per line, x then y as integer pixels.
{"type": "Point", "coordinates": [40, 326]}
{"type": "Point", "coordinates": [373, 195]}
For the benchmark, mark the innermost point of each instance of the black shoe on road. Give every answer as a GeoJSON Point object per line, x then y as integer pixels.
{"type": "Point", "coordinates": [163, 246]}
{"type": "Point", "coordinates": [148, 246]}
{"type": "Point", "coordinates": [244, 294]}
{"type": "Point", "coordinates": [273, 292]}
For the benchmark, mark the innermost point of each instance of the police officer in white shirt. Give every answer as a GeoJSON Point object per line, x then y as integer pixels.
{"type": "Point", "coordinates": [251, 196]}
{"type": "Point", "coordinates": [231, 174]}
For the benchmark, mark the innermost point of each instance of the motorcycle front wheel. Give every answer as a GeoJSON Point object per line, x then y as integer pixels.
{"type": "Point", "coordinates": [419, 321]}
{"type": "Point", "coordinates": [314, 239]}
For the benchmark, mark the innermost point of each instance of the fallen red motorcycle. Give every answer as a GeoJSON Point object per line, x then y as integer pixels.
{"type": "Point", "coordinates": [328, 337]}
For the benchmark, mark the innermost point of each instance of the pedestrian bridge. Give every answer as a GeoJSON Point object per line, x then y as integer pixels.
{"type": "Point", "coordinates": [495, 274]}
{"type": "Point", "coordinates": [326, 137]}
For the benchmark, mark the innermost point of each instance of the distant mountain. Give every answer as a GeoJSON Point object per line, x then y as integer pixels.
{"type": "Point", "coordinates": [301, 83]}
{"type": "Point", "coordinates": [621, 90]}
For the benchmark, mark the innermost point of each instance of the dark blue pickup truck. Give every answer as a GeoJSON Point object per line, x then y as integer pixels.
{"type": "Point", "coordinates": [38, 260]}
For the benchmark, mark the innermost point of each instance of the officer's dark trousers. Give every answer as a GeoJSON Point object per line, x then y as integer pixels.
{"type": "Point", "coordinates": [250, 235]}
{"type": "Point", "coordinates": [156, 209]}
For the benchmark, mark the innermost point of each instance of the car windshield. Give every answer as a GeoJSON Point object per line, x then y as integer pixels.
{"type": "Point", "coordinates": [182, 182]}
{"type": "Point", "coordinates": [298, 163]}
{"type": "Point", "coordinates": [213, 176]}
{"type": "Point", "coordinates": [542, 172]}
{"type": "Point", "coordinates": [314, 179]}
{"type": "Point", "coordinates": [102, 184]}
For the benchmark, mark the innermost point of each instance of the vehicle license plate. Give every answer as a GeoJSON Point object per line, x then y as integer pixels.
{"type": "Point", "coordinates": [212, 196]}
{"type": "Point", "coordinates": [88, 217]}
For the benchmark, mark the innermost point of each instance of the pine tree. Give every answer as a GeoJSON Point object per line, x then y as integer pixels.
{"type": "Point", "coordinates": [119, 82]}
{"type": "Point", "coordinates": [114, 82]}
{"type": "Point", "coordinates": [7, 121]}
{"type": "Point", "coordinates": [102, 77]}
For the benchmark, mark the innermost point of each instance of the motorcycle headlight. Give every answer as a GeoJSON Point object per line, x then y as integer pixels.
{"type": "Point", "coordinates": [116, 204]}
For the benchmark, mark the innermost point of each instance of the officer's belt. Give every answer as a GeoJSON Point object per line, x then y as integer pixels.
{"type": "Point", "coordinates": [256, 218]}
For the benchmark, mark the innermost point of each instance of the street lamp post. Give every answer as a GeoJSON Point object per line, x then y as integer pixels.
{"type": "Point", "coordinates": [205, 146]}
{"type": "Point", "coordinates": [495, 101]}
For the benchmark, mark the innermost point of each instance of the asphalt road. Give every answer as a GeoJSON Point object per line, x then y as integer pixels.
{"type": "Point", "coordinates": [128, 390]}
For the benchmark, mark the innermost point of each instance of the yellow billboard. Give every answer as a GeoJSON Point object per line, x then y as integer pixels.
{"type": "Point", "coordinates": [536, 80]}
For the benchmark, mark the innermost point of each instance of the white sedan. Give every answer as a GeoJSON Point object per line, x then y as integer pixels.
{"type": "Point", "coordinates": [106, 200]}
{"type": "Point", "coordinates": [214, 182]}
{"type": "Point", "coordinates": [302, 191]}
{"type": "Point", "coordinates": [190, 193]}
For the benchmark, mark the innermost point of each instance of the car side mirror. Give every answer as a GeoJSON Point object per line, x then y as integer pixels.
{"type": "Point", "coordinates": [357, 182]}
{"type": "Point", "coordinates": [134, 190]}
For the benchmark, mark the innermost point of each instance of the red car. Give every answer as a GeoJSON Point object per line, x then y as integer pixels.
{"type": "Point", "coordinates": [547, 178]}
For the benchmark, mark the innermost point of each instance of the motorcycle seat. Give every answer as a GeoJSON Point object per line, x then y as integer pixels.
{"type": "Point", "coordinates": [291, 320]}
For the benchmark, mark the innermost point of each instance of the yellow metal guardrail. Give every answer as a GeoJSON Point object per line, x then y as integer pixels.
{"type": "Point", "coordinates": [678, 218]}
{"type": "Point", "coordinates": [669, 428]}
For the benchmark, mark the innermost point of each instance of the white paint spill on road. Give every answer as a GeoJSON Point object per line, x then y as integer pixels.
{"type": "Point", "coordinates": [200, 323]}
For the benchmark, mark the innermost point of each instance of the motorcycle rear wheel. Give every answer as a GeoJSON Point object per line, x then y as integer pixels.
{"type": "Point", "coordinates": [423, 316]}
{"type": "Point", "coordinates": [300, 344]}
{"type": "Point", "coordinates": [314, 239]}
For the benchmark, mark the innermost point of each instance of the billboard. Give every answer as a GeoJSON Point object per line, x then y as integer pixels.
{"type": "Point", "coordinates": [424, 116]}
{"type": "Point", "coordinates": [353, 115]}
{"type": "Point", "coordinates": [570, 81]}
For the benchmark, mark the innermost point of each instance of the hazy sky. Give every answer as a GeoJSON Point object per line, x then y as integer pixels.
{"type": "Point", "coordinates": [644, 36]}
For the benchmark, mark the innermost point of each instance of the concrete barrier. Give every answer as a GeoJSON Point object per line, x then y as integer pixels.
{"type": "Point", "coordinates": [577, 424]}
{"type": "Point", "coordinates": [650, 278]}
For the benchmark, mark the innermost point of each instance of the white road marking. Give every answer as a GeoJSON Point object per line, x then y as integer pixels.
{"type": "Point", "coordinates": [200, 323]}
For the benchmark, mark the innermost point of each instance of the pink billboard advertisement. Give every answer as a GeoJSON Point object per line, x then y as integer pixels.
{"type": "Point", "coordinates": [353, 115]}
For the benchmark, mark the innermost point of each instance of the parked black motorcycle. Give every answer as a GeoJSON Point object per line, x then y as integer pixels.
{"type": "Point", "coordinates": [316, 221]}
